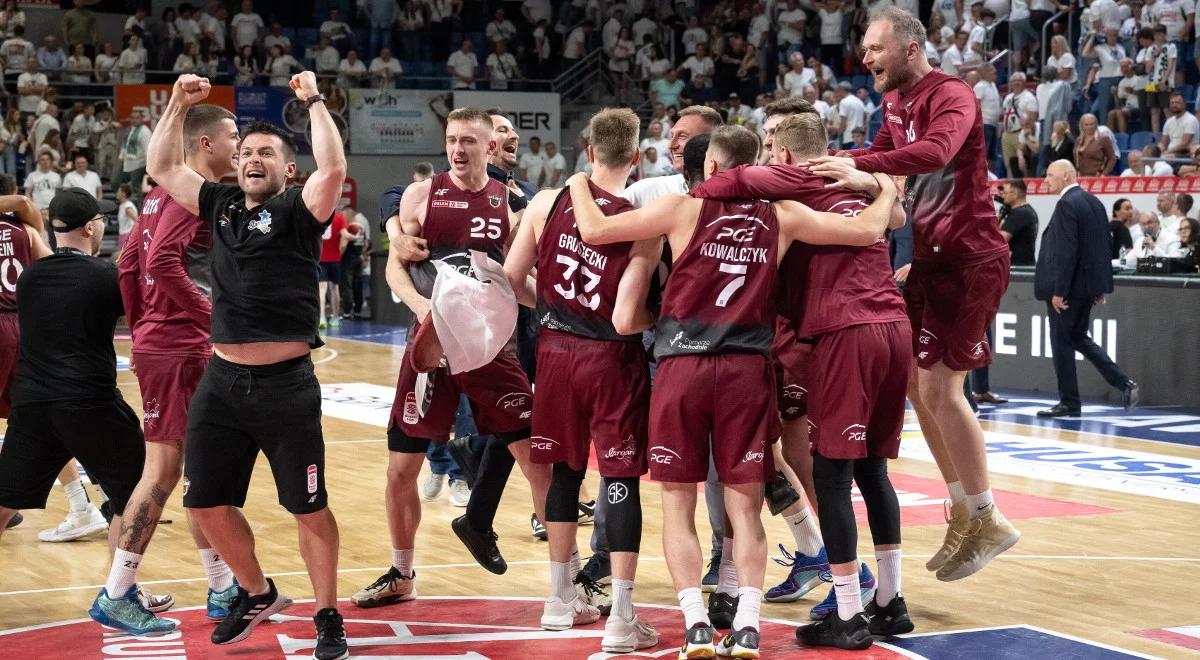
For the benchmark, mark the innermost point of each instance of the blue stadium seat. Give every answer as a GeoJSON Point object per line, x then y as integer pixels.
{"type": "Point", "coordinates": [862, 80]}
{"type": "Point", "coordinates": [1189, 95]}
{"type": "Point", "coordinates": [1141, 139]}
{"type": "Point", "coordinates": [1122, 141]}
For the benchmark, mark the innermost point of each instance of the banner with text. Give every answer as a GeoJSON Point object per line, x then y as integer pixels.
{"type": "Point", "coordinates": [152, 99]}
{"type": "Point", "coordinates": [279, 106]}
{"type": "Point", "coordinates": [396, 121]}
{"type": "Point", "coordinates": [533, 114]}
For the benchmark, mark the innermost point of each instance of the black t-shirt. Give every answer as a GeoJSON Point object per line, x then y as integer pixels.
{"type": "Point", "coordinates": [68, 305]}
{"type": "Point", "coordinates": [1121, 238]}
{"type": "Point", "coordinates": [1022, 224]}
{"type": "Point", "coordinates": [264, 266]}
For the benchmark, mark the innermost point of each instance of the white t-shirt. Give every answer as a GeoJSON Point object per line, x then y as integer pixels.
{"type": "Point", "coordinates": [43, 186]}
{"type": "Point", "coordinates": [501, 69]}
{"type": "Point", "coordinates": [1156, 62]}
{"type": "Point", "coordinates": [1067, 61]}
{"type": "Point", "coordinates": [759, 26]}
{"type": "Point", "coordinates": [952, 60]}
{"type": "Point", "coordinates": [326, 59]}
{"type": "Point", "coordinates": [210, 25]}
{"type": "Point", "coordinates": [660, 167]}
{"type": "Point", "coordinates": [1109, 56]}
{"type": "Point", "coordinates": [989, 102]}
{"type": "Point", "coordinates": [978, 37]}
{"type": "Point", "coordinates": [609, 33]}
{"type": "Point", "coordinates": [692, 37]}
{"type": "Point", "coordinates": [89, 181]}
{"type": "Point", "coordinates": [1177, 126]}
{"type": "Point", "coordinates": [851, 109]}
{"type": "Point", "coordinates": [1015, 107]}
{"type": "Point", "coordinates": [81, 130]}
{"type": "Point", "coordinates": [124, 221]}
{"type": "Point", "coordinates": [534, 165]}
{"type": "Point", "coordinates": [188, 30]}
{"type": "Point", "coordinates": [1171, 13]}
{"type": "Point", "coordinates": [1020, 10]}
{"type": "Point", "coordinates": [246, 28]}
{"type": "Point", "coordinates": [463, 64]}
{"type": "Point", "coordinates": [556, 163]}
{"type": "Point", "coordinates": [700, 67]}
{"type": "Point", "coordinates": [786, 34]}
{"type": "Point", "coordinates": [574, 46]}
{"type": "Point", "coordinates": [502, 30]}
{"type": "Point", "coordinates": [385, 73]}
{"type": "Point", "coordinates": [281, 69]}
{"type": "Point", "coordinates": [948, 12]}
{"type": "Point", "coordinates": [345, 69]}
{"type": "Point", "coordinates": [795, 81]}
{"type": "Point", "coordinates": [831, 27]}
{"type": "Point", "coordinates": [647, 190]}
{"type": "Point", "coordinates": [661, 145]}
{"type": "Point", "coordinates": [29, 102]}
{"type": "Point", "coordinates": [932, 54]}
{"type": "Point", "coordinates": [642, 27]}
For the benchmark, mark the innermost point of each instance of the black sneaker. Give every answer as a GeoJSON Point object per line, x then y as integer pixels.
{"type": "Point", "coordinates": [106, 510]}
{"type": "Point", "coordinates": [331, 636]}
{"type": "Point", "coordinates": [698, 642]}
{"type": "Point", "coordinates": [889, 620]}
{"type": "Point", "coordinates": [481, 544]}
{"type": "Point", "coordinates": [537, 528]}
{"type": "Point", "coordinates": [466, 456]}
{"type": "Point", "coordinates": [739, 644]}
{"type": "Point", "coordinates": [780, 494]}
{"type": "Point", "coordinates": [587, 512]}
{"type": "Point", "coordinates": [17, 519]}
{"type": "Point", "coordinates": [721, 608]}
{"type": "Point", "coordinates": [712, 578]}
{"type": "Point", "coordinates": [852, 635]}
{"type": "Point", "coordinates": [248, 611]}
{"type": "Point", "coordinates": [599, 569]}
{"type": "Point", "coordinates": [1130, 395]}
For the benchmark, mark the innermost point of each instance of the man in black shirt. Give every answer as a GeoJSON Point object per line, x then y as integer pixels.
{"type": "Point", "coordinates": [1020, 224]}
{"type": "Point", "coordinates": [65, 401]}
{"type": "Point", "coordinates": [260, 392]}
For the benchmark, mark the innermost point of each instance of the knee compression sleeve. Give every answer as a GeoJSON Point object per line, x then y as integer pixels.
{"type": "Point", "coordinates": [624, 522]}
{"type": "Point", "coordinates": [562, 499]}
{"type": "Point", "coordinates": [883, 509]}
{"type": "Point", "coordinates": [495, 466]}
{"type": "Point", "coordinates": [832, 478]}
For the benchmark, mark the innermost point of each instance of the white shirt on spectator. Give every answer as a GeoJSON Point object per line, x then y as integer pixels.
{"type": "Point", "coordinates": [989, 102]}
{"type": "Point", "coordinates": [1067, 61]}
{"type": "Point", "coordinates": [464, 65]}
{"type": "Point", "coordinates": [281, 69]}
{"type": "Point", "coordinates": [608, 34]}
{"type": "Point", "coordinates": [497, 30]}
{"type": "Point", "coordinates": [851, 108]}
{"type": "Point", "coordinates": [501, 69]}
{"type": "Point", "coordinates": [691, 38]}
{"type": "Point", "coordinates": [822, 108]}
{"type": "Point", "coordinates": [978, 37]}
{"type": "Point", "coordinates": [280, 40]}
{"type": "Point", "coordinates": [326, 59]}
{"type": "Point", "coordinates": [795, 81]}
{"type": "Point", "coordinates": [642, 27]}
{"type": "Point", "coordinates": [759, 26]}
{"type": "Point", "coordinates": [209, 25]}
{"type": "Point", "coordinates": [574, 46]}
{"type": "Point", "coordinates": [1159, 168]}
{"type": "Point", "coordinates": [555, 163]}
{"type": "Point", "coordinates": [41, 127]}
{"type": "Point", "coordinates": [932, 54]}
{"type": "Point", "coordinates": [246, 28]}
{"type": "Point", "coordinates": [134, 148]}
{"type": "Point", "coordinates": [79, 69]}
{"type": "Point", "coordinates": [952, 60]}
{"type": "Point", "coordinates": [89, 181]}
{"type": "Point", "coordinates": [661, 145]}
{"type": "Point", "coordinates": [29, 102]}
{"type": "Point", "coordinates": [385, 73]}
{"type": "Point", "coordinates": [534, 166]}
{"type": "Point", "coordinates": [132, 64]}
{"type": "Point", "coordinates": [1015, 107]}
{"type": "Point", "coordinates": [335, 30]}
{"type": "Point", "coordinates": [787, 34]}
{"type": "Point", "coordinates": [346, 71]}
{"type": "Point", "coordinates": [42, 186]}
{"type": "Point", "coordinates": [1020, 10]}
{"type": "Point", "coordinates": [1109, 56]}
{"type": "Point", "coordinates": [831, 27]}
{"type": "Point", "coordinates": [1171, 13]}
{"type": "Point", "coordinates": [1107, 11]}
{"type": "Point", "coordinates": [184, 63]}
{"type": "Point", "coordinates": [1178, 126]}
{"type": "Point", "coordinates": [15, 51]}
{"type": "Point", "coordinates": [124, 222]}
{"type": "Point", "coordinates": [188, 30]}
{"type": "Point", "coordinates": [700, 68]}
{"type": "Point", "coordinates": [81, 130]}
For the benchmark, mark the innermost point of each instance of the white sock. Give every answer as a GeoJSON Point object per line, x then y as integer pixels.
{"type": "Point", "coordinates": [728, 580]}
{"type": "Point", "coordinates": [76, 495]}
{"type": "Point", "coordinates": [849, 597]}
{"type": "Point", "coordinates": [622, 599]}
{"type": "Point", "coordinates": [123, 573]}
{"type": "Point", "coordinates": [957, 494]}
{"type": "Point", "coordinates": [749, 604]}
{"type": "Point", "coordinates": [220, 577]}
{"type": "Point", "coordinates": [576, 564]}
{"type": "Point", "coordinates": [691, 601]}
{"type": "Point", "coordinates": [805, 532]}
{"type": "Point", "coordinates": [402, 561]}
{"type": "Point", "coordinates": [561, 584]}
{"type": "Point", "coordinates": [979, 505]}
{"type": "Point", "coordinates": [888, 586]}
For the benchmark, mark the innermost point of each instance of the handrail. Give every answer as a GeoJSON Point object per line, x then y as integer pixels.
{"type": "Point", "coordinates": [1046, 41]}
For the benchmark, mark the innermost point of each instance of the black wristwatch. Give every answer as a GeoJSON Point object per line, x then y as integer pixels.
{"type": "Point", "coordinates": [318, 98]}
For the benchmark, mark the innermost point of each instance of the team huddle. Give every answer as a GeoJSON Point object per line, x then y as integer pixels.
{"type": "Point", "coordinates": [782, 355]}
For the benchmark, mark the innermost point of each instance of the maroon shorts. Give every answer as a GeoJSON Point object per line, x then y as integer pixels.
{"type": "Point", "coordinates": [167, 383]}
{"type": "Point", "coordinates": [860, 381]}
{"type": "Point", "coordinates": [726, 399]}
{"type": "Point", "coordinates": [950, 311]}
{"type": "Point", "coordinates": [590, 389]}
{"type": "Point", "coordinates": [10, 339]}
{"type": "Point", "coordinates": [501, 402]}
{"type": "Point", "coordinates": [791, 357]}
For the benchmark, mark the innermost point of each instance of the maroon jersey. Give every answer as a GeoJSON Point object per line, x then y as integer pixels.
{"type": "Point", "coordinates": [167, 310]}
{"type": "Point", "coordinates": [934, 134]}
{"type": "Point", "coordinates": [720, 296]}
{"type": "Point", "coordinates": [456, 221]}
{"type": "Point", "coordinates": [577, 282]}
{"type": "Point", "coordinates": [14, 259]}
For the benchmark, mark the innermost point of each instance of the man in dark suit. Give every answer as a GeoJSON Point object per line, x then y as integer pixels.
{"type": "Point", "coordinates": [1073, 273]}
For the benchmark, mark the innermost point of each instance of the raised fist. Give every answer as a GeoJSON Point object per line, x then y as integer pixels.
{"type": "Point", "coordinates": [190, 89]}
{"type": "Point", "coordinates": [304, 84]}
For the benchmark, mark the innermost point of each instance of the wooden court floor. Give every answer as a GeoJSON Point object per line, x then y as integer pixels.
{"type": "Point", "coordinates": [1094, 564]}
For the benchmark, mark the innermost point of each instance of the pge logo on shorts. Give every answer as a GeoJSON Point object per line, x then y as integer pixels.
{"type": "Point", "coordinates": [661, 455]}
{"type": "Point", "coordinates": [513, 400]}
{"type": "Point", "coordinates": [855, 433]}
{"type": "Point", "coordinates": [541, 443]}
{"type": "Point", "coordinates": [926, 337]}
{"type": "Point", "coordinates": [977, 350]}
{"type": "Point", "coordinates": [794, 392]}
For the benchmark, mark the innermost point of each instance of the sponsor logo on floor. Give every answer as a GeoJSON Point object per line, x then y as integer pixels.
{"type": "Point", "coordinates": [1187, 637]}
{"type": "Point", "coordinates": [364, 403]}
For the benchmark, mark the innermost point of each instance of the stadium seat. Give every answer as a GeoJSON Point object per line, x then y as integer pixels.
{"type": "Point", "coordinates": [1141, 139]}
{"type": "Point", "coordinates": [861, 80]}
{"type": "Point", "coordinates": [1189, 95]}
{"type": "Point", "coordinates": [1122, 141]}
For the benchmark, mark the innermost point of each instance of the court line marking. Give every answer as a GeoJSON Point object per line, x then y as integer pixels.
{"type": "Point", "coordinates": [1045, 631]}
{"type": "Point", "coordinates": [332, 355]}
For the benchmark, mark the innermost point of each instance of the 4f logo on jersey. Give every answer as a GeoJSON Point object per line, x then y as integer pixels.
{"type": "Point", "coordinates": [262, 224]}
{"type": "Point", "coordinates": [441, 192]}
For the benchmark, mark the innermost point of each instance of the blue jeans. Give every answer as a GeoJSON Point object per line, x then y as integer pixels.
{"type": "Point", "coordinates": [8, 161]}
{"type": "Point", "coordinates": [380, 37]}
{"type": "Point", "coordinates": [1104, 98]}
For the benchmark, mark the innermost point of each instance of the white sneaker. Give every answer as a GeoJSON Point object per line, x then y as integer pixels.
{"type": "Point", "coordinates": [154, 602]}
{"type": "Point", "coordinates": [621, 636]}
{"type": "Point", "coordinates": [432, 486]}
{"type": "Point", "coordinates": [557, 615]}
{"type": "Point", "coordinates": [460, 493]}
{"type": "Point", "coordinates": [76, 526]}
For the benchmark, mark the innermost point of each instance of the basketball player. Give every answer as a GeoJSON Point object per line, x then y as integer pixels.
{"type": "Point", "coordinates": [844, 300]}
{"type": "Point", "coordinates": [933, 132]}
{"type": "Point", "coordinates": [716, 327]}
{"type": "Point", "coordinates": [595, 380]}
{"type": "Point", "coordinates": [169, 318]}
{"type": "Point", "coordinates": [266, 245]}
{"type": "Point", "coordinates": [455, 211]}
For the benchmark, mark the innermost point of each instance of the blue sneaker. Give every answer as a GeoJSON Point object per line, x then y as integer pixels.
{"type": "Point", "coordinates": [220, 603]}
{"type": "Point", "coordinates": [127, 613]}
{"type": "Point", "coordinates": [709, 583]}
{"type": "Point", "coordinates": [805, 575]}
{"type": "Point", "coordinates": [866, 585]}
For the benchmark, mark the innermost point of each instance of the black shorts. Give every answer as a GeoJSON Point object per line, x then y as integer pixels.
{"type": "Point", "coordinates": [104, 436]}
{"type": "Point", "coordinates": [331, 271]}
{"type": "Point", "coordinates": [238, 410]}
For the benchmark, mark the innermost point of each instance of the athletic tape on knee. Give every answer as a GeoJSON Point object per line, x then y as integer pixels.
{"type": "Point", "coordinates": [624, 522]}
{"type": "Point", "coordinates": [562, 499]}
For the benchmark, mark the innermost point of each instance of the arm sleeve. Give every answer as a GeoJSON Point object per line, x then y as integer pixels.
{"type": "Point", "coordinates": [759, 182]}
{"type": "Point", "coordinates": [953, 110]}
{"type": "Point", "coordinates": [129, 276]}
{"type": "Point", "coordinates": [164, 261]}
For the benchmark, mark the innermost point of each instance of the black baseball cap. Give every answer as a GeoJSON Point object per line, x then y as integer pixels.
{"type": "Point", "coordinates": [73, 208]}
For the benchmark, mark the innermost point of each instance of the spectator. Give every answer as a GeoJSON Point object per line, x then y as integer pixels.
{"type": "Point", "coordinates": [1180, 130]}
{"type": "Point", "coordinates": [277, 38]}
{"type": "Point", "coordinates": [798, 76]}
{"type": "Point", "coordinates": [1054, 98]}
{"type": "Point", "coordinates": [979, 39]}
{"type": "Point", "coordinates": [79, 66]}
{"type": "Point", "coordinates": [42, 183]}
{"type": "Point", "coordinates": [11, 137]}
{"type": "Point", "coordinates": [1105, 73]}
{"type": "Point", "coordinates": [462, 66]}
{"type": "Point", "coordinates": [935, 45]}
{"type": "Point", "coordinates": [131, 65]}
{"type": "Point", "coordinates": [127, 213]}
{"type": "Point", "coordinates": [555, 167]}
{"type": "Point", "coordinates": [212, 27]}
{"type": "Point", "coordinates": [11, 18]}
{"type": "Point", "coordinates": [536, 11]}
{"type": "Point", "coordinates": [354, 260]}
{"type": "Point", "coordinates": [652, 164]}
{"type": "Point", "coordinates": [1018, 107]}
{"type": "Point", "coordinates": [167, 40]}
{"type": "Point", "coordinates": [644, 27]}
{"type": "Point", "coordinates": [381, 16]}
{"type": "Point", "coordinates": [697, 94]}
{"type": "Point", "coordinates": [337, 31]}
{"type": "Point", "coordinates": [989, 105]}
{"type": "Point", "coordinates": [1060, 146]}
{"type": "Point", "coordinates": [735, 111]}
{"type": "Point", "coordinates": [500, 28]}
{"type": "Point", "coordinates": [385, 69]}
{"type": "Point", "coordinates": [666, 90]}
{"type": "Point", "coordinates": [541, 51]}
{"type": "Point", "coordinates": [247, 26]}
{"type": "Point", "coordinates": [82, 177]}
{"type": "Point", "coordinates": [245, 66]}
{"type": "Point", "coordinates": [1189, 243]}
{"type": "Point", "coordinates": [532, 164]}
{"type": "Point", "coordinates": [133, 155]}
{"type": "Point", "coordinates": [851, 112]}
{"type": "Point", "coordinates": [833, 37]}
{"type": "Point", "coordinates": [189, 60]}
{"type": "Point", "coordinates": [612, 27]}
{"type": "Point", "coordinates": [502, 66]}
{"type": "Point", "coordinates": [1158, 60]}
{"type": "Point", "coordinates": [137, 21]}
{"type": "Point", "coordinates": [575, 46]}
{"type": "Point", "coordinates": [186, 25]}
{"type": "Point", "coordinates": [45, 122]}
{"type": "Point", "coordinates": [954, 59]}
{"type": "Point", "coordinates": [620, 62]}
{"type": "Point", "coordinates": [1123, 217]}
{"type": "Point", "coordinates": [858, 139]}
{"type": "Point", "coordinates": [80, 133]}
{"type": "Point", "coordinates": [440, 17]}
{"type": "Point", "coordinates": [79, 27]}
{"type": "Point", "coordinates": [351, 71]}
{"type": "Point", "coordinates": [789, 29]}
{"type": "Point", "coordinates": [105, 62]}
{"type": "Point", "coordinates": [51, 58]}
{"type": "Point", "coordinates": [325, 56]}
{"type": "Point", "coordinates": [693, 36]}
{"type": "Point", "coordinates": [1020, 223]}
{"type": "Point", "coordinates": [582, 164]}
{"type": "Point", "coordinates": [280, 67]}
{"type": "Point", "coordinates": [104, 137]}
{"type": "Point", "coordinates": [410, 22]}
{"type": "Point", "coordinates": [1129, 92]}
{"type": "Point", "coordinates": [1094, 154]}
{"type": "Point", "coordinates": [1062, 60]}
{"type": "Point", "coordinates": [52, 144]}
{"type": "Point", "coordinates": [32, 86]}
{"type": "Point", "coordinates": [16, 50]}
{"type": "Point", "coordinates": [1146, 245]}
{"type": "Point", "coordinates": [656, 138]}
{"type": "Point", "coordinates": [700, 65]}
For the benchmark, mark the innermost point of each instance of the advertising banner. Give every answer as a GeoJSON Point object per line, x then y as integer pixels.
{"type": "Point", "coordinates": [279, 106]}
{"type": "Point", "coordinates": [152, 99]}
{"type": "Point", "coordinates": [396, 121]}
{"type": "Point", "coordinates": [533, 114]}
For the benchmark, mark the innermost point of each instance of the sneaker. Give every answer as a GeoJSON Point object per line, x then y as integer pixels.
{"type": "Point", "coordinates": [465, 457]}
{"type": "Point", "coordinates": [740, 644]}
{"type": "Point", "coordinates": [17, 519]}
{"type": "Point", "coordinates": [957, 519]}
{"type": "Point", "coordinates": [76, 526]}
{"type": "Point", "coordinates": [698, 642]}
{"type": "Point", "coordinates": [220, 603]}
{"type": "Point", "coordinates": [806, 574]}
{"type": "Point", "coordinates": [621, 636]}
{"type": "Point", "coordinates": [331, 636]}
{"type": "Point", "coordinates": [248, 611]}
{"type": "Point", "coordinates": [432, 486]}
{"type": "Point", "coordinates": [557, 615]}
{"type": "Point", "coordinates": [155, 602]}
{"type": "Point", "coordinates": [481, 544]}
{"type": "Point", "coordinates": [322, 324]}
{"type": "Point", "coordinates": [712, 578]}
{"type": "Point", "coordinates": [335, 322]}
{"type": "Point", "coordinates": [599, 569]}
{"type": "Point", "coordinates": [127, 613]}
{"type": "Point", "coordinates": [866, 585]}
{"type": "Point", "coordinates": [1130, 395]}
{"type": "Point", "coordinates": [460, 493]}
{"type": "Point", "coordinates": [985, 538]}
{"type": "Point", "coordinates": [780, 494]}
{"type": "Point", "coordinates": [538, 529]}
{"type": "Point", "coordinates": [721, 609]}
{"type": "Point", "coordinates": [852, 635]}
{"type": "Point", "coordinates": [587, 512]}
{"type": "Point", "coordinates": [592, 593]}
{"type": "Point", "coordinates": [888, 620]}
{"type": "Point", "coordinates": [391, 587]}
